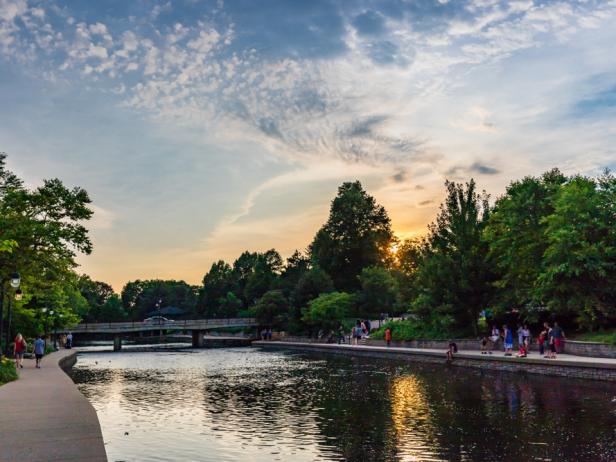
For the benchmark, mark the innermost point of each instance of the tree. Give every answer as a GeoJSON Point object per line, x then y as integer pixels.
{"type": "Point", "coordinates": [310, 286]}
{"type": "Point", "coordinates": [271, 309]}
{"type": "Point", "coordinates": [327, 311]}
{"type": "Point", "coordinates": [453, 277]}
{"type": "Point", "coordinates": [112, 310]}
{"type": "Point", "coordinates": [140, 298]}
{"type": "Point", "coordinates": [407, 261]}
{"type": "Point", "coordinates": [296, 266]}
{"type": "Point", "coordinates": [266, 269]}
{"type": "Point", "coordinates": [46, 225]}
{"type": "Point", "coordinates": [356, 235]}
{"type": "Point", "coordinates": [217, 283]}
{"type": "Point", "coordinates": [515, 234]}
{"type": "Point", "coordinates": [379, 292]}
{"type": "Point", "coordinates": [580, 260]}
{"type": "Point", "coordinates": [96, 294]}
{"type": "Point", "coordinates": [229, 305]}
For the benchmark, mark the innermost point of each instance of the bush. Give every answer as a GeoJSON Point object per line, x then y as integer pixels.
{"type": "Point", "coordinates": [7, 371]}
{"type": "Point", "coordinates": [414, 330]}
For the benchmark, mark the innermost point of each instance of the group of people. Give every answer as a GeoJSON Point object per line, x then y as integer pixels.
{"type": "Point", "coordinates": [266, 334]}
{"type": "Point", "coordinates": [360, 330]}
{"type": "Point", "coordinates": [20, 347]}
{"type": "Point", "coordinates": [550, 341]}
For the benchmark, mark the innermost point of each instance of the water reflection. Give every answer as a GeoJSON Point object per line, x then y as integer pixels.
{"type": "Point", "coordinates": [244, 404]}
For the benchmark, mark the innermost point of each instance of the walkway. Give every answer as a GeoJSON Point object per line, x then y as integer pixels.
{"type": "Point", "coordinates": [564, 365]}
{"type": "Point", "coordinates": [44, 418]}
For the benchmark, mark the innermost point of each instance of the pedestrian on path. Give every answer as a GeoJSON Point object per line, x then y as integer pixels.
{"type": "Point", "coordinates": [39, 350]}
{"type": "Point", "coordinates": [508, 336]}
{"type": "Point", "coordinates": [542, 341]}
{"type": "Point", "coordinates": [526, 337]}
{"type": "Point", "coordinates": [559, 336]}
{"type": "Point", "coordinates": [357, 332]}
{"type": "Point", "coordinates": [520, 332]}
{"type": "Point", "coordinates": [69, 341]}
{"type": "Point", "coordinates": [388, 336]}
{"type": "Point", "coordinates": [495, 337]}
{"type": "Point", "coordinates": [19, 348]}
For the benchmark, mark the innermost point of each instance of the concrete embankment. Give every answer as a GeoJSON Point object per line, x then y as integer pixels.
{"type": "Point", "coordinates": [565, 365]}
{"type": "Point", "coordinates": [44, 417]}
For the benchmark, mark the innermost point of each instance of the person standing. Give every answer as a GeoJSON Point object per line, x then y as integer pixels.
{"type": "Point", "coordinates": [520, 332]}
{"type": "Point", "coordinates": [39, 350]}
{"type": "Point", "coordinates": [508, 336]}
{"type": "Point", "coordinates": [494, 337]}
{"type": "Point", "coordinates": [388, 336]}
{"type": "Point", "coordinates": [541, 340]}
{"type": "Point", "coordinates": [357, 332]}
{"type": "Point", "coordinates": [559, 335]}
{"type": "Point", "coordinates": [19, 348]}
{"type": "Point", "coordinates": [69, 341]}
{"type": "Point", "coordinates": [526, 337]}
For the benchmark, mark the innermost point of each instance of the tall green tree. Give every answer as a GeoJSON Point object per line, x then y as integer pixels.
{"type": "Point", "coordinates": [217, 283]}
{"type": "Point", "coordinates": [272, 309]}
{"type": "Point", "coordinates": [515, 234]}
{"type": "Point", "coordinates": [454, 277]}
{"type": "Point", "coordinates": [579, 271]}
{"type": "Point", "coordinates": [139, 298]}
{"type": "Point", "coordinates": [356, 235]}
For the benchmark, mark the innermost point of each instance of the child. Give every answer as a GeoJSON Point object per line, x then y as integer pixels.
{"type": "Point", "coordinates": [484, 345]}
{"type": "Point", "coordinates": [453, 348]}
{"type": "Point", "coordinates": [522, 351]}
{"type": "Point", "coordinates": [388, 336]}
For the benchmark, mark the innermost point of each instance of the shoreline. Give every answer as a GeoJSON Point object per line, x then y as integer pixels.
{"type": "Point", "coordinates": [565, 366]}
{"type": "Point", "coordinates": [46, 418]}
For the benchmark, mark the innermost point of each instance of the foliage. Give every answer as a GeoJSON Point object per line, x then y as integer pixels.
{"type": "Point", "coordinates": [453, 276]}
{"type": "Point", "coordinates": [379, 292]}
{"type": "Point", "coordinates": [406, 330]}
{"type": "Point", "coordinates": [608, 337]}
{"type": "Point", "coordinates": [515, 234]}
{"type": "Point", "coordinates": [356, 235]}
{"type": "Point", "coordinates": [328, 311]}
{"type": "Point", "coordinates": [139, 298]}
{"type": "Point", "coordinates": [271, 309]}
{"type": "Point", "coordinates": [579, 268]}
{"type": "Point", "coordinates": [8, 373]}
{"type": "Point", "coordinates": [217, 283]}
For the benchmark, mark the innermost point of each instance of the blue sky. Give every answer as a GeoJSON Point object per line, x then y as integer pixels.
{"type": "Point", "coordinates": [205, 128]}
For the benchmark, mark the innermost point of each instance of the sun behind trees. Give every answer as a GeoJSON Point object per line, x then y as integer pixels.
{"type": "Point", "coordinates": [546, 247]}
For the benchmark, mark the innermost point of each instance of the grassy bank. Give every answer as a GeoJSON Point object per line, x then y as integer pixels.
{"type": "Point", "coordinates": [7, 371]}
{"type": "Point", "coordinates": [407, 330]}
{"type": "Point", "coordinates": [607, 336]}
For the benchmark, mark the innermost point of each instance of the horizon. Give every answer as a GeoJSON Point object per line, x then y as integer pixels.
{"type": "Point", "coordinates": [202, 130]}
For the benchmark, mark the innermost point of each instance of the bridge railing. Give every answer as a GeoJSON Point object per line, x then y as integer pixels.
{"type": "Point", "coordinates": [169, 324]}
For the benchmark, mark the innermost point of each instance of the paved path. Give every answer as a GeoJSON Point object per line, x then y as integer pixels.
{"type": "Point", "coordinates": [533, 358]}
{"type": "Point", "coordinates": [44, 418]}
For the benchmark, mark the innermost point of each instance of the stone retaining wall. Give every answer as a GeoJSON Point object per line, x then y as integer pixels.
{"type": "Point", "coordinates": [509, 364]}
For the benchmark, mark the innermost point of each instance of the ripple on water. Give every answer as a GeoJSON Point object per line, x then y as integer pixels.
{"type": "Point", "coordinates": [246, 404]}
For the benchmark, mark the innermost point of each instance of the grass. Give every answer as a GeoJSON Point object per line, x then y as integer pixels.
{"type": "Point", "coordinates": [604, 336]}
{"type": "Point", "coordinates": [7, 371]}
{"type": "Point", "coordinates": [407, 330]}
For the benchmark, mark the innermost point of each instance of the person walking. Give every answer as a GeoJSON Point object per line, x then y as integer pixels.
{"type": "Point", "coordinates": [542, 341]}
{"type": "Point", "coordinates": [526, 337]}
{"type": "Point", "coordinates": [508, 336]}
{"type": "Point", "coordinates": [69, 341]}
{"type": "Point", "coordinates": [357, 332]}
{"type": "Point", "coordinates": [39, 350]}
{"type": "Point", "coordinates": [388, 336]}
{"type": "Point", "coordinates": [19, 348]}
{"type": "Point", "coordinates": [559, 335]}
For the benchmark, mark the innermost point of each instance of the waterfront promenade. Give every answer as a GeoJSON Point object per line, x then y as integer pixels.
{"type": "Point", "coordinates": [44, 417]}
{"type": "Point", "coordinates": [565, 365]}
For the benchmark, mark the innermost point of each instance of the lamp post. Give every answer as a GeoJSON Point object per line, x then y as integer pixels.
{"type": "Point", "coordinates": [15, 280]}
{"type": "Point", "coordinates": [160, 321]}
{"type": "Point", "coordinates": [18, 296]}
{"type": "Point", "coordinates": [44, 311]}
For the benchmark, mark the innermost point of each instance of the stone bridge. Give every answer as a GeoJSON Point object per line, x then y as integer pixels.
{"type": "Point", "coordinates": [198, 327]}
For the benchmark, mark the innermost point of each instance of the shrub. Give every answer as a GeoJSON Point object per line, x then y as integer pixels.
{"type": "Point", "coordinates": [7, 371]}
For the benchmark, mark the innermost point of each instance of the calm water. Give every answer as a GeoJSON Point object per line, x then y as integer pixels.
{"type": "Point", "coordinates": [249, 405]}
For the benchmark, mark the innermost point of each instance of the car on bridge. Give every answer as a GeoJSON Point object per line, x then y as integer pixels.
{"type": "Point", "coordinates": [157, 320]}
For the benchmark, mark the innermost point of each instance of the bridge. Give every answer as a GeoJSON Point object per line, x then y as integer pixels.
{"type": "Point", "coordinates": [198, 327]}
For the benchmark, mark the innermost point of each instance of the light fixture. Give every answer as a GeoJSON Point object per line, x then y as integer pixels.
{"type": "Point", "coordinates": [18, 294]}
{"type": "Point", "coordinates": [15, 280]}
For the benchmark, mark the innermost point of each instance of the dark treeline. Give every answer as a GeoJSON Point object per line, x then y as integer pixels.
{"type": "Point", "coordinates": [545, 248]}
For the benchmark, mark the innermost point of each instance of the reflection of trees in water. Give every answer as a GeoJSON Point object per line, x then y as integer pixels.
{"type": "Point", "coordinates": [364, 410]}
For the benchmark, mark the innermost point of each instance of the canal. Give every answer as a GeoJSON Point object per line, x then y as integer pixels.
{"type": "Point", "coordinates": [243, 404]}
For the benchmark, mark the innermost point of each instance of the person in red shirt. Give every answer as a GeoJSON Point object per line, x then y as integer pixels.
{"type": "Point", "coordinates": [19, 349]}
{"type": "Point", "coordinates": [388, 336]}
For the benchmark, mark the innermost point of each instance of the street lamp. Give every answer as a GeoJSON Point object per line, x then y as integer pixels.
{"type": "Point", "coordinates": [15, 280]}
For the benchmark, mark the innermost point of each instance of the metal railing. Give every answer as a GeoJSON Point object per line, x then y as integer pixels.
{"type": "Point", "coordinates": [183, 324]}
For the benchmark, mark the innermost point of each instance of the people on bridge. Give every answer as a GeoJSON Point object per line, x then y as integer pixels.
{"type": "Point", "coordinates": [39, 350]}
{"type": "Point", "coordinates": [19, 348]}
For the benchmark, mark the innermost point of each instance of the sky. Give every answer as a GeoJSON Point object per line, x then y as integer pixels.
{"type": "Point", "coordinates": [204, 128]}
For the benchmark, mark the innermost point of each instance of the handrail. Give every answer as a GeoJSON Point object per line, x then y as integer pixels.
{"type": "Point", "coordinates": [169, 324]}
